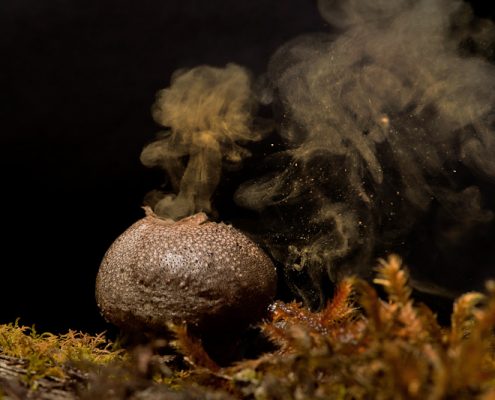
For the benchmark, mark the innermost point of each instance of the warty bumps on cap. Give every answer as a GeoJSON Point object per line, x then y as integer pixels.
{"type": "Point", "coordinates": [207, 275]}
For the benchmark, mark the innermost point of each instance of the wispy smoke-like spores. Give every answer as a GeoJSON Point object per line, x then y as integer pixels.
{"type": "Point", "coordinates": [209, 111]}
{"type": "Point", "coordinates": [388, 132]}
{"type": "Point", "coordinates": [383, 121]}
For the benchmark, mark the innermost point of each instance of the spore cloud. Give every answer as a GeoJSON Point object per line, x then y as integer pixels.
{"type": "Point", "coordinates": [386, 124]}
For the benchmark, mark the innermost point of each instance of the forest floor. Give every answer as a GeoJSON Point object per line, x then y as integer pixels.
{"type": "Point", "coordinates": [360, 346]}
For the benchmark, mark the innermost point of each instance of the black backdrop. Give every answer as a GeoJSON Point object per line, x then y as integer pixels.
{"type": "Point", "coordinates": [77, 80]}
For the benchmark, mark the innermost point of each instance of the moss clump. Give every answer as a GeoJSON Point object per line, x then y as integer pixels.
{"type": "Point", "coordinates": [361, 346]}
{"type": "Point", "coordinates": [48, 355]}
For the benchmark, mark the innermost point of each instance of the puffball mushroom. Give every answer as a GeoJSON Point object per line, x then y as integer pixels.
{"type": "Point", "coordinates": [207, 275]}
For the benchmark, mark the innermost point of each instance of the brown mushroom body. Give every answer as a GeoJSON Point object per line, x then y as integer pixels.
{"type": "Point", "coordinates": [205, 274]}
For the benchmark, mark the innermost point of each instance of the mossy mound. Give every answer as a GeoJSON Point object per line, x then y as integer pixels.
{"type": "Point", "coordinates": [360, 346]}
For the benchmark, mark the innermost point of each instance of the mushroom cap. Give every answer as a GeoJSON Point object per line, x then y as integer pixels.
{"type": "Point", "coordinates": [205, 274]}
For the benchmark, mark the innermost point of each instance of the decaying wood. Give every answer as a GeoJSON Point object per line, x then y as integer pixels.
{"type": "Point", "coordinates": [13, 382]}
{"type": "Point", "coordinates": [119, 381]}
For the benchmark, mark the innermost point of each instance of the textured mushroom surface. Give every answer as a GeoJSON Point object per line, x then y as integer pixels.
{"type": "Point", "coordinates": [208, 275]}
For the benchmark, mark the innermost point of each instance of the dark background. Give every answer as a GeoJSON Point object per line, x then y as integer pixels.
{"type": "Point", "coordinates": [77, 80]}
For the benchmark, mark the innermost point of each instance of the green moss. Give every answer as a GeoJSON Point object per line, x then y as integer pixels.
{"type": "Point", "coordinates": [47, 355]}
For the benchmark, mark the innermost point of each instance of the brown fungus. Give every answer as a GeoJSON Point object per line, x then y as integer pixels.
{"type": "Point", "coordinates": [207, 275]}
